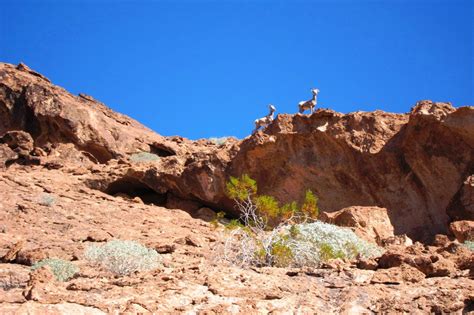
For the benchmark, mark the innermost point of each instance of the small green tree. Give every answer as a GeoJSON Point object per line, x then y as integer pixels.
{"type": "Point", "coordinates": [310, 205]}
{"type": "Point", "coordinates": [241, 188]}
{"type": "Point", "coordinates": [258, 239]}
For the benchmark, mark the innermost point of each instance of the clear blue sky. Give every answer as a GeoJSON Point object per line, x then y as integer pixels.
{"type": "Point", "coordinates": [209, 68]}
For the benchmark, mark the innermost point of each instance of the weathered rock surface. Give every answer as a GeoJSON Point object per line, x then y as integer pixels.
{"type": "Point", "coordinates": [411, 164]}
{"type": "Point", "coordinates": [463, 230]}
{"type": "Point", "coordinates": [414, 164]}
{"type": "Point", "coordinates": [192, 279]}
{"type": "Point", "coordinates": [369, 223]}
{"type": "Point", "coordinates": [87, 186]}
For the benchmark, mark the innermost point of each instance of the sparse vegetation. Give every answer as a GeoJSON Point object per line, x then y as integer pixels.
{"type": "Point", "coordinates": [272, 235]}
{"type": "Point", "coordinates": [144, 157]}
{"type": "Point", "coordinates": [469, 244]}
{"type": "Point", "coordinates": [219, 141]}
{"type": "Point", "coordinates": [123, 257]}
{"type": "Point", "coordinates": [62, 270]}
{"type": "Point", "coordinates": [317, 242]}
{"type": "Point", "coordinates": [217, 219]}
{"type": "Point", "coordinates": [46, 200]}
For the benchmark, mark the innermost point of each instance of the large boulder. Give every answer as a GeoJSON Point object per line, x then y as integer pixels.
{"type": "Point", "coordinates": [369, 223]}
{"type": "Point", "coordinates": [463, 230]}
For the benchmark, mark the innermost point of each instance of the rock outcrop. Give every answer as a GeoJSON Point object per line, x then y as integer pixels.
{"type": "Point", "coordinates": [416, 165]}
{"type": "Point", "coordinates": [73, 173]}
{"type": "Point", "coordinates": [463, 230]}
{"type": "Point", "coordinates": [411, 164]}
{"type": "Point", "coordinates": [369, 223]}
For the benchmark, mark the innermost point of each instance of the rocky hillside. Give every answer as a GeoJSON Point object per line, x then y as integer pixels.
{"type": "Point", "coordinates": [73, 173]}
{"type": "Point", "coordinates": [417, 165]}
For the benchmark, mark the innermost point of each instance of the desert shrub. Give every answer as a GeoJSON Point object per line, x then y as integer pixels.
{"type": "Point", "coordinates": [272, 235]}
{"type": "Point", "coordinates": [318, 242]}
{"type": "Point", "coordinates": [217, 219]}
{"type": "Point", "coordinates": [219, 141]}
{"type": "Point", "coordinates": [123, 257]}
{"type": "Point", "coordinates": [62, 270]}
{"type": "Point", "coordinates": [469, 244]}
{"type": "Point", "coordinates": [264, 209]}
{"type": "Point", "coordinates": [144, 157]}
{"type": "Point", "coordinates": [46, 200]}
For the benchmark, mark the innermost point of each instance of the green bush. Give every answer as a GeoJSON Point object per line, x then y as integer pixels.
{"type": "Point", "coordinates": [144, 157]}
{"type": "Point", "coordinates": [272, 235]}
{"type": "Point", "coordinates": [123, 257]}
{"type": "Point", "coordinates": [243, 190]}
{"type": "Point", "coordinates": [318, 242]}
{"type": "Point", "coordinates": [62, 270]}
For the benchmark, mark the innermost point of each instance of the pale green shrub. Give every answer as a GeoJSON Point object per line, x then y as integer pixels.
{"type": "Point", "coordinates": [46, 200]}
{"type": "Point", "coordinates": [62, 270]}
{"type": "Point", "coordinates": [123, 257]}
{"type": "Point", "coordinates": [144, 157]}
{"type": "Point", "coordinates": [272, 235]}
{"type": "Point", "coordinates": [219, 141]}
{"type": "Point", "coordinates": [469, 244]}
{"type": "Point", "coordinates": [317, 242]}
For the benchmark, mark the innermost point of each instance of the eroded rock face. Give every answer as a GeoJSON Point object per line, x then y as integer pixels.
{"type": "Point", "coordinates": [49, 210]}
{"type": "Point", "coordinates": [411, 164]}
{"type": "Point", "coordinates": [414, 164]}
{"type": "Point", "coordinates": [29, 102]}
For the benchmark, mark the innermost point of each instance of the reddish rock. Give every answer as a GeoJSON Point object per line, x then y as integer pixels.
{"type": "Point", "coordinates": [462, 205]}
{"type": "Point", "coordinates": [369, 223]}
{"type": "Point", "coordinates": [205, 214]}
{"type": "Point", "coordinates": [397, 240]}
{"type": "Point", "coordinates": [19, 141]}
{"type": "Point", "coordinates": [6, 155]}
{"type": "Point", "coordinates": [405, 273]}
{"type": "Point", "coordinates": [428, 262]}
{"type": "Point", "coordinates": [463, 230]}
{"type": "Point", "coordinates": [441, 240]}
{"type": "Point", "coordinates": [411, 164]}
{"type": "Point", "coordinates": [51, 115]}
{"type": "Point", "coordinates": [12, 252]}
{"type": "Point", "coordinates": [367, 263]}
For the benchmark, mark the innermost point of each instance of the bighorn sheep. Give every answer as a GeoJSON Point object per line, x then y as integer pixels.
{"type": "Point", "coordinates": [309, 104]}
{"type": "Point", "coordinates": [261, 122]}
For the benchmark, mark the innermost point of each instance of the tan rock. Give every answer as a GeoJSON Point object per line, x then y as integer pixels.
{"type": "Point", "coordinates": [401, 274]}
{"type": "Point", "coordinates": [397, 240]}
{"type": "Point", "coordinates": [369, 223]}
{"type": "Point", "coordinates": [205, 214]}
{"type": "Point", "coordinates": [12, 252]}
{"type": "Point", "coordinates": [6, 155]}
{"type": "Point", "coordinates": [463, 230]}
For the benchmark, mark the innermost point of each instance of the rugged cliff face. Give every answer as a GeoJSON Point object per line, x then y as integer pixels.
{"type": "Point", "coordinates": [412, 164]}
{"type": "Point", "coordinates": [73, 173]}
{"type": "Point", "coordinates": [417, 165]}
